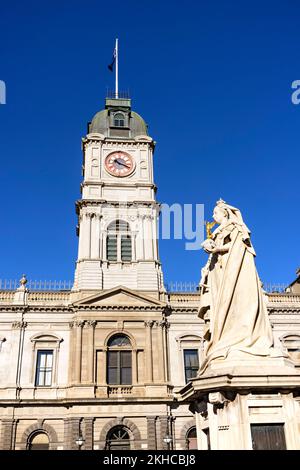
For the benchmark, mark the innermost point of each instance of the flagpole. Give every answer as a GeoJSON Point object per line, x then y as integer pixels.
{"type": "Point", "coordinates": [117, 70]}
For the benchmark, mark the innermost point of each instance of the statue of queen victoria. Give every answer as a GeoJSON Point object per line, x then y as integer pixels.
{"type": "Point", "coordinates": [231, 294]}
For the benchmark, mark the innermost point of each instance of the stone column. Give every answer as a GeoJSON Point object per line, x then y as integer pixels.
{"type": "Point", "coordinates": [134, 366]}
{"type": "Point", "coordinates": [90, 324]}
{"type": "Point", "coordinates": [148, 241]}
{"type": "Point", "coordinates": [154, 236]}
{"type": "Point", "coordinates": [7, 431]}
{"type": "Point", "coordinates": [149, 356]}
{"type": "Point", "coordinates": [85, 235]}
{"type": "Point", "coordinates": [71, 370]}
{"type": "Point", "coordinates": [164, 430]}
{"type": "Point", "coordinates": [81, 237]}
{"type": "Point", "coordinates": [151, 432]}
{"type": "Point", "coordinates": [165, 325]}
{"type": "Point", "coordinates": [98, 235]}
{"type": "Point", "coordinates": [162, 353]}
{"type": "Point", "coordinates": [133, 246]}
{"type": "Point", "coordinates": [101, 367]}
{"type": "Point", "coordinates": [89, 216]}
{"type": "Point", "coordinates": [71, 433]}
{"type": "Point", "coordinates": [94, 240]}
{"type": "Point", "coordinates": [78, 349]}
{"type": "Point", "coordinates": [89, 433]}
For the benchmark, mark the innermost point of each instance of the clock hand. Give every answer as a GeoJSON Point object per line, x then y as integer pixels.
{"type": "Point", "coordinates": [121, 163]}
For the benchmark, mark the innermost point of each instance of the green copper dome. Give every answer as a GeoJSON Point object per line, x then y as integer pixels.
{"type": "Point", "coordinates": [117, 120]}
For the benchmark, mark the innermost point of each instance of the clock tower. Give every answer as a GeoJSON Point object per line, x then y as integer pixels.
{"type": "Point", "coordinates": [118, 212]}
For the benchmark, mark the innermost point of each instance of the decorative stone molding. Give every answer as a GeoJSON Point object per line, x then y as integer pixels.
{"type": "Point", "coordinates": [90, 323]}
{"type": "Point", "coordinates": [217, 398]}
{"type": "Point", "coordinates": [164, 324]}
{"type": "Point", "coordinates": [39, 427]}
{"type": "Point", "coordinates": [17, 325]}
{"type": "Point", "coordinates": [2, 340]}
{"type": "Point", "coordinates": [149, 323]}
{"type": "Point", "coordinates": [79, 323]}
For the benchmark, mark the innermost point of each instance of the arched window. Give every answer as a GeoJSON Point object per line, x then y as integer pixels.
{"type": "Point", "coordinates": [119, 361]}
{"type": "Point", "coordinates": [38, 441]}
{"type": "Point", "coordinates": [191, 438]}
{"type": "Point", "coordinates": [118, 439]}
{"type": "Point", "coordinates": [119, 120]}
{"type": "Point", "coordinates": [119, 241]}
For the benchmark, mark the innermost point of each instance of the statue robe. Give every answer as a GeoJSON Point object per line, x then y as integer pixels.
{"type": "Point", "coordinates": [238, 314]}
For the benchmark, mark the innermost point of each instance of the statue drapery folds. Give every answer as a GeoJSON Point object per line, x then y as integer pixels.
{"type": "Point", "coordinates": [231, 293]}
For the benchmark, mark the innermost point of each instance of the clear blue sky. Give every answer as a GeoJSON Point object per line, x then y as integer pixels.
{"type": "Point", "coordinates": [212, 80]}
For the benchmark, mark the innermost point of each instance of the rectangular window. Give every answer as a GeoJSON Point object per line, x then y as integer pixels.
{"type": "Point", "coordinates": [112, 248]}
{"type": "Point", "coordinates": [44, 367]}
{"type": "Point", "coordinates": [191, 363]}
{"type": "Point", "coordinates": [119, 368]}
{"type": "Point", "coordinates": [125, 367]}
{"type": "Point", "coordinates": [126, 248]}
{"type": "Point", "coordinates": [268, 437]}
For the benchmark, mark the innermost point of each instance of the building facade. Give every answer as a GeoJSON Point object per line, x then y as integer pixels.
{"type": "Point", "coordinates": [99, 366]}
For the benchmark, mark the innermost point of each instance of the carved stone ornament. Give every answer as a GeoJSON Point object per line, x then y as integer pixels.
{"type": "Point", "coordinates": [217, 398]}
{"type": "Point", "coordinates": [19, 324]}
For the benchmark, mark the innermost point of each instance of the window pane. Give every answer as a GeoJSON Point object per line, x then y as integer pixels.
{"type": "Point", "coordinates": [112, 359]}
{"type": "Point", "coordinates": [40, 378]}
{"type": "Point", "coordinates": [112, 248]}
{"type": "Point", "coordinates": [126, 248]}
{"type": "Point", "coordinates": [44, 368]}
{"type": "Point", "coordinates": [112, 376]}
{"type": "Point", "coordinates": [119, 340]}
{"type": "Point", "coordinates": [125, 358]}
{"type": "Point", "coordinates": [49, 359]}
{"type": "Point", "coordinates": [126, 376]}
{"type": "Point", "coordinates": [42, 358]}
{"type": "Point", "coordinates": [119, 120]}
{"type": "Point", "coordinates": [48, 377]}
{"type": "Point", "coordinates": [191, 363]}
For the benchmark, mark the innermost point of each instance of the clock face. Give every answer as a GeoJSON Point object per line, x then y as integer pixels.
{"type": "Point", "coordinates": [119, 164]}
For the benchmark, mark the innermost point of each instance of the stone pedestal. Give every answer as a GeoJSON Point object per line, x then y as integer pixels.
{"type": "Point", "coordinates": [233, 401]}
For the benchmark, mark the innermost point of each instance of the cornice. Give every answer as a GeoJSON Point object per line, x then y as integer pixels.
{"type": "Point", "coordinates": [96, 203]}
{"type": "Point", "coordinates": [124, 184]}
{"type": "Point", "coordinates": [289, 310]}
{"type": "Point", "coordinates": [118, 308]}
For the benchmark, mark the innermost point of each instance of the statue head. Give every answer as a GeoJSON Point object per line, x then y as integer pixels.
{"type": "Point", "coordinates": [224, 213]}
{"type": "Point", "coordinates": [221, 214]}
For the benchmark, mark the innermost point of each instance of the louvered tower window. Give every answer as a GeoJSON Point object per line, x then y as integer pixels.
{"type": "Point", "coordinates": [119, 241]}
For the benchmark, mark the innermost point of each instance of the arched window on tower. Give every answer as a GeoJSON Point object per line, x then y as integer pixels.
{"type": "Point", "coordinates": [119, 360]}
{"type": "Point", "coordinates": [119, 120]}
{"type": "Point", "coordinates": [119, 241]}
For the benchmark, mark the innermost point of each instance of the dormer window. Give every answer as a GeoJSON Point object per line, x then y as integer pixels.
{"type": "Point", "coordinates": [119, 120]}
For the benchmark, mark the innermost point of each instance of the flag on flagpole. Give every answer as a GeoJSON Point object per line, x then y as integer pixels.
{"type": "Point", "coordinates": [111, 65]}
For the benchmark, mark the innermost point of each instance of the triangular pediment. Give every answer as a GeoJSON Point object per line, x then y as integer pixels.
{"type": "Point", "coordinates": [120, 296]}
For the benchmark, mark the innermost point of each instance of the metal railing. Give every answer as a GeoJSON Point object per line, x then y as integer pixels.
{"type": "Point", "coordinates": [275, 288]}
{"type": "Point", "coordinates": [182, 286]}
{"type": "Point", "coordinates": [36, 285]}
{"type": "Point", "coordinates": [191, 286]}
{"type": "Point", "coordinates": [123, 95]}
{"type": "Point", "coordinates": [172, 286]}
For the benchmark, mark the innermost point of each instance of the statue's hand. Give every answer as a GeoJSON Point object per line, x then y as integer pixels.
{"type": "Point", "coordinates": [208, 245]}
